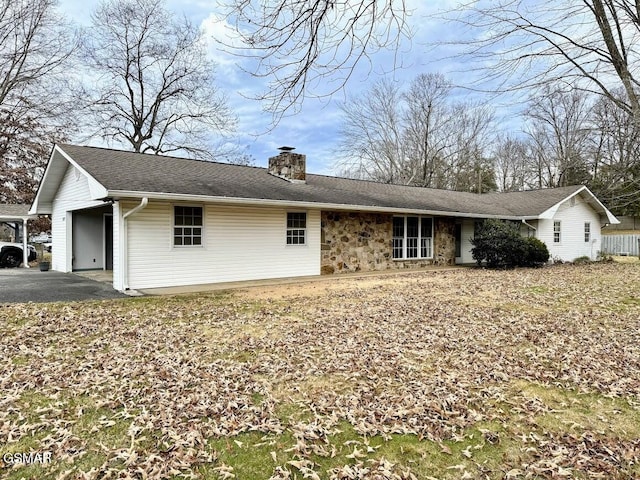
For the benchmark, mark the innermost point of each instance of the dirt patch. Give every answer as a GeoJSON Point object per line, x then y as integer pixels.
{"type": "Point", "coordinates": [327, 286]}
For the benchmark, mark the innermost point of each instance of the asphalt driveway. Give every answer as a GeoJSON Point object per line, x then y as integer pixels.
{"type": "Point", "coordinates": [32, 285]}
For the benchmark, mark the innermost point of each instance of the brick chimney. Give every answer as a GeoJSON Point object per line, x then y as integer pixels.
{"type": "Point", "coordinates": [288, 165]}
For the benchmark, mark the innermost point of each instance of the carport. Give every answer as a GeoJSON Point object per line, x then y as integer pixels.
{"type": "Point", "coordinates": [18, 214]}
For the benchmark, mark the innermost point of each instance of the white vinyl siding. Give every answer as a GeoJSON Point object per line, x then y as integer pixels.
{"type": "Point", "coordinates": [239, 243]}
{"type": "Point", "coordinates": [572, 235]}
{"type": "Point", "coordinates": [73, 194]}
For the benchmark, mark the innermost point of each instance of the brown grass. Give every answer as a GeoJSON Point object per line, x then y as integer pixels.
{"type": "Point", "coordinates": [530, 373]}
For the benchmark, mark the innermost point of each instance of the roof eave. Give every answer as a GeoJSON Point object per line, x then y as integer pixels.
{"type": "Point", "coordinates": [16, 218]}
{"type": "Point", "coordinates": [43, 202]}
{"type": "Point", "coordinates": [593, 201]}
{"type": "Point", "coordinates": [124, 194]}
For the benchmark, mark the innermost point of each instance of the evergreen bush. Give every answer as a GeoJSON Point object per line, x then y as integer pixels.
{"type": "Point", "coordinates": [498, 244]}
{"type": "Point", "coordinates": [537, 252]}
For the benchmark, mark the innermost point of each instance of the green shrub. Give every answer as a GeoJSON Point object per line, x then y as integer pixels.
{"type": "Point", "coordinates": [537, 252]}
{"type": "Point", "coordinates": [582, 260]}
{"type": "Point", "coordinates": [498, 244]}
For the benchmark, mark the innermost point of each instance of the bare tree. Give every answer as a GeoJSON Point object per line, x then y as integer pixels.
{"type": "Point", "coordinates": [154, 90]}
{"type": "Point", "coordinates": [372, 135]}
{"type": "Point", "coordinates": [312, 47]}
{"type": "Point", "coordinates": [417, 137]}
{"type": "Point", "coordinates": [615, 157]}
{"type": "Point", "coordinates": [35, 49]}
{"type": "Point", "coordinates": [559, 130]}
{"type": "Point", "coordinates": [589, 45]}
{"type": "Point", "coordinates": [467, 166]}
{"type": "Point", "coordinates": [427, 119]}
{"type": "Point", "coordinates": [511, 160]}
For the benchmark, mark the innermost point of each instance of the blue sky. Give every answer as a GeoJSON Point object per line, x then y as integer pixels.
{"type": "Point", "coordinates": [314, 130]}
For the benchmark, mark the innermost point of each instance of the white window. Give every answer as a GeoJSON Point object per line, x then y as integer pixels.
{"type": "Point", "coordinates": [587, 232]}
{"type": "Point", "coordinates": [296, 228]}
{"type": "Point", "coordinates": [187, 226]}
{"type": "Point", "coordinates": [556, 231]}
{"type": "Point", "coordinates": [412, 237]}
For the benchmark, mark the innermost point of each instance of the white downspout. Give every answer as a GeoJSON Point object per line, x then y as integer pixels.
{"type": "Point", "coordinates": [529, 225]}
{"type": "Point", "coordinates": [125, 246]}
{"type": "Point", "coordinates": [25, 250]}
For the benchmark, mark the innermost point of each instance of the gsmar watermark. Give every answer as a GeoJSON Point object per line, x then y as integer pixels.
{"type": "Point", "coordinates": [26, 458]}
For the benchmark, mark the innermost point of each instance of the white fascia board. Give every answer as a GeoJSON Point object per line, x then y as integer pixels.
{"type": "Point", "coordinates": [97, 190]}
{"type": "Point", "coordinates": [550, 213]}
{"type": "Point", "coordinates": [611, 218]}
{"type": "Point", "coordinates": [121, 194]}
{"type": "Point", "coordinates": [599, 207]}
{"type": "Point", "coordinates": [41, 209]}
{"type": "Point", "coordinates": [36, 207]}
{"type": "Point", "coordinates": [16, 218]}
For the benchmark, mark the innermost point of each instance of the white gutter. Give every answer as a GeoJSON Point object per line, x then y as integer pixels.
{"type": "Point", "coordinates": [125, 243]}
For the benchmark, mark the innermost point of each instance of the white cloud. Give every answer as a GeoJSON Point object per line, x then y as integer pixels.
{"type": "Point", "coordinates": [314, 130]}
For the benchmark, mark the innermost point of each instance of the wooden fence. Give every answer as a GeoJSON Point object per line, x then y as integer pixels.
{"type": "Point", "coordinates": [621, 244]}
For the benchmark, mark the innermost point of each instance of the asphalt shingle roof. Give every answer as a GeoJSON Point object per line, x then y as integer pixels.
{"type": "Point", "coordinates": [133, 172]}
{"type": "Point", "coordinates": [13, 210]}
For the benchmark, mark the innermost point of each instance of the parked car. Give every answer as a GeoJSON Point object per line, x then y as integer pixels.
{"type": "Point", "coordinates": [11, 254]}
{"type": "Point", "coordinates": [42, 237]}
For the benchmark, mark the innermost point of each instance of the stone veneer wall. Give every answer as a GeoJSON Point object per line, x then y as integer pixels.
{"type": "Point", "coordinates": [354, 241]}
{"type": "Point", "coordinates": [444, 242]}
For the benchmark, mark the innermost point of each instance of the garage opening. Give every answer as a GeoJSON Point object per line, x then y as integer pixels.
{"type": "Point", "coordinates": [92, 239]}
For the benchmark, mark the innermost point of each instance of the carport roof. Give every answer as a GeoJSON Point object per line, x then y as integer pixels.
{"type": "Point", "coordinates": [13, 212]}
{"type": "Point", "coordinates": [120, 174]}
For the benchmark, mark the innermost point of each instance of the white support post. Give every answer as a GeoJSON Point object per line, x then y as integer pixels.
{"type": "Point", "coordinates": [25, 250]}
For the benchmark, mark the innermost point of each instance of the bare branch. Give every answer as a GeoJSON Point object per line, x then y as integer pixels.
{"type": "Point", "coordinates": [35, 50]}
{"type": "Point", "coordinates": [311, 48]}
{"type": "Point", "coordinates": [417, 137]}
{"type": "Point", "coordinates": [156, 92]}
{"type": "Point", "coordinates": [589, 45]}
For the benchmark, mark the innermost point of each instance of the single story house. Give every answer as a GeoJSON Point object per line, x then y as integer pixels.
{"type": "Point", "coordinates": [160, 221]}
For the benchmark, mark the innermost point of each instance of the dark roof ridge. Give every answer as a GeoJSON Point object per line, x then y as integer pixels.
{"type": "Point", "coordinates": [378, 182]}
{"type": "Point", "coordinates": [541, 189]}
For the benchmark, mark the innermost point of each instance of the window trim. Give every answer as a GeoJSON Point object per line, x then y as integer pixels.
{"type": "Point", "coordinates": [419, 238]}
{"type": "Point", "coordinates": [305, 229]}
{"type": "Point", "coordinates": [174, 226]}
{"type": "Point", "coordinates": [557, 223]}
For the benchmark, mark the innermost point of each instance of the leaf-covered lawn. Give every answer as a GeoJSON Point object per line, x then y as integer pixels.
{"type": "Point", "coordinates": [458, 374]}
